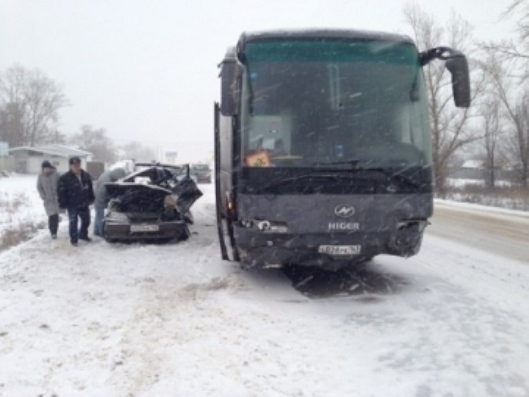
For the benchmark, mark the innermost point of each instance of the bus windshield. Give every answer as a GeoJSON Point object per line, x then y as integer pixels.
{"type": "Point", "coordinates": [308, 102]}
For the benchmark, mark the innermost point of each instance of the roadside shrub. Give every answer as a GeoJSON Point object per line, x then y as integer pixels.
{"type": "Point", "coordinates": [18, 233]}
{"type": "Point", "coordinates": [14, 230]}
{"type": "Point", "coordinates": [511, 197]}
{"type": "Point", "coordinates": [11, 205]}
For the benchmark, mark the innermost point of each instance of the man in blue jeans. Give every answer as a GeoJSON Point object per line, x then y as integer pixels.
{"type": "Point", "coordinates": [76, 194]}
{"type": "Point", "coordinates": [101, 200]}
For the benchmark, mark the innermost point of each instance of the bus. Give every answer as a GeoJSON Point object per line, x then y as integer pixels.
{"type": "Point", "coordinates": [323, 146]}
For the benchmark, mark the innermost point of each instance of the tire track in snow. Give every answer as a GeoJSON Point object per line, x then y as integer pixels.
{"type": "Point", "coordinates": [165, 318]}
{"type": "Point", "coordinates": [475, 321]}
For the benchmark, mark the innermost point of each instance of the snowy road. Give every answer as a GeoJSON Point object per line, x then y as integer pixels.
{"type": "Point", "coordinates": [504, 233]}
{"type": "Point", "coordinates": [174, 320]}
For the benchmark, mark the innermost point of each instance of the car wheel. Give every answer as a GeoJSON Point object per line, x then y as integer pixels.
{"type": "Point", "coordinates": [185, 234]}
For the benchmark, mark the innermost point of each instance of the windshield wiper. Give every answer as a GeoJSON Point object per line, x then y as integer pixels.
{"type": "Point", "coordinates": [352, 166]}
{"type": "Point", "coordinates": [337, 165]}
{"type": "Point", "coordinates": [289, 180]}
{"type": "Point", "coordinates": [392, 174]}
{"type": "Point", "coordinates": [345, 167]}
{"type": "Point", "coordinates": [337, 174]}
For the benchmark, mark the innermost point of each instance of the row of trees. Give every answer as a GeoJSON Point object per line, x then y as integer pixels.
{"type": "Point", "coordinates": [29, 107]}
{"type": "Point", "coordinates": [498, 120]}
{"type": "Point", "coordinates": [96, 141]}
{"type": "Point", "coordinates": [30, 103]}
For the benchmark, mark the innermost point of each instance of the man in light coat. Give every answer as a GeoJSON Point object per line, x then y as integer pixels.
{"type": "Point", "coordinates": [101, 201]}
{"type": "Point", "coordinates": [47, 187]}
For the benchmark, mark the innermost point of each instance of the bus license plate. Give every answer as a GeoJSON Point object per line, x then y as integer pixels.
{"type": "Point", "coordinates": [144, 228]}
{"type": "Point", "coordinates": [339, 249]}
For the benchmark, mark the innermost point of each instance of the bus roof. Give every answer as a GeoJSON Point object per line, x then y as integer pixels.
{"type": "Point", "coordinates": [322, 34]}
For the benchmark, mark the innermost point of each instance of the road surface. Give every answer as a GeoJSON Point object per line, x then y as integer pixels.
{"type": "Point", "coordinates": [174, 320]}
{"type": "Point", "coordinates": [500, 233]}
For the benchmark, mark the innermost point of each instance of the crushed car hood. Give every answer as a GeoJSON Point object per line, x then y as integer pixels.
{"type": "Point", "coordinates": [139, 197]}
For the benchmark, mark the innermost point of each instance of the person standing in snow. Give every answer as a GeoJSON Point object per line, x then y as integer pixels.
{"type": "Point", "coordinates": [101, 200]}
{"type": "Point", "coordinates": [76, 194]}
{"type": "Point", "coordinates": [47, 183]}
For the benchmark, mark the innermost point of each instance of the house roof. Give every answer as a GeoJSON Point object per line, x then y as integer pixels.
{"type": "Point", "coordinates": [473, 164]}
{"type": "Point", "coordinates": [54, 150]}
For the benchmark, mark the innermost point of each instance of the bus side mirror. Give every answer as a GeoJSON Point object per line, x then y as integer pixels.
{"type": "Point", "coordinates": [457, 65]}
{"type": "Point", "coordinates": [229, 99]}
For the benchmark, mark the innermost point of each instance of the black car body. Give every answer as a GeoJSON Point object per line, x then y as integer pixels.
{"type": "Point", "coordinates": [153, 203]}
{"type": "Point", "coordinates": [202, 172]}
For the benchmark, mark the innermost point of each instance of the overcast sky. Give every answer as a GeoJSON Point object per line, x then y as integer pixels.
{"type": "Point", "coordinates": [147, 69]}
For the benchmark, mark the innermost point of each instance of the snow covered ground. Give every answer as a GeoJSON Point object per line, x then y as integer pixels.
{"type": "Point", "coordinates": [478, 208]}
{"type": "Point", "coordinates": [174, 320]}
{"type": "Point", "coordinates": [460, 182]}
{"type": "Point", "coordinates": [20, 204]}
{"type": "Point", "coordinates": [506, 195]}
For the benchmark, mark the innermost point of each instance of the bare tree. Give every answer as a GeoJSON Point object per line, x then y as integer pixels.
{"type": "Point", "coordinates": [56, 137]}
{"type": "Point", "coordinates": [450, 126]}
{"type": "Point", "coordinates": [519, 48]}
{"type": "Point", "coordinates": [138, 152]}
{"type": "Point", "coordinates": [12, 124]}
{"type": "Point", "coordinates": [44, 98]}
{"type": "Point", "coordinates": [30, 102]}
{"type": "Point", "coordinates": [520, 139]}
{"type": "Point", "coordinates": [515, 49]}
{"type": "Point", "coordinates": [514, 102]}
{"type": "Point", "coordinates": [13, 85]}
{"type": "Point", "coordinates": [97, 142]}
{"type": "Point", "coordinates": [490, 113]}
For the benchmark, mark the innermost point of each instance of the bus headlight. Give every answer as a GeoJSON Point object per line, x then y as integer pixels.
{"type": "Point", "coordinates": [265, 225]}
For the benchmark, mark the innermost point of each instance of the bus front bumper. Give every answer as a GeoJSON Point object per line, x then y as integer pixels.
{"type": "Point", "coordinates": [326, 250]}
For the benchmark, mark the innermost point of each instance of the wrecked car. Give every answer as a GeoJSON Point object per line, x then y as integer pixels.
{"type": "Point", "coordinates": [151, 203]}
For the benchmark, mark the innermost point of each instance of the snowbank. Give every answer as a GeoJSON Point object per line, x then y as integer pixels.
{"type": "Point", "coordinates": [460, 183]}
{"type": "Point", "coordinates": [20, 204]}
{"type": "Point", "coordinates": [482, 208]}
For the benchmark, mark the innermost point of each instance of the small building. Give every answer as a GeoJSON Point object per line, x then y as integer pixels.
{"type": "Point", "coordinates": [28, 160]}
{"type": "Point", "coordinates": [471, 170]}
{"type": "Point", "coordinates": [473, 165]}
{"type": "Point", "coordinates": [4, 149]}
{"type": "Point", "coordinates": [7, 162]}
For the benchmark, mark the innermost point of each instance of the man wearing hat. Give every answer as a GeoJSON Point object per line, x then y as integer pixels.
{"type": "Point", "coordinates": [47, 187]}
{"type": "Point", "coordinates": [76, 194]}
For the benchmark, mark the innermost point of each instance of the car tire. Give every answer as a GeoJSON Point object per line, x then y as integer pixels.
{"type": "Point", "coordinates": [185, 234]}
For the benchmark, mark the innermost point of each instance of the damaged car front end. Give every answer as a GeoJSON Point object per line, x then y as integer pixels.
{"type": "Point", "coordinates": [151, 204]}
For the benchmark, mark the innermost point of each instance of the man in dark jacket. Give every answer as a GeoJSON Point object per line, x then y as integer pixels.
{"type": "Point", "coordinates": [76, 194]}
{"type": "Point", "coordinates": [101, 201]}
{"type": "Point", "coordinates": [47, 187]}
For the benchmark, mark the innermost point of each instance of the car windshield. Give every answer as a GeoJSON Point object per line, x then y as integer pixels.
{"type": "Point", "coordinates": [309, 102]}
